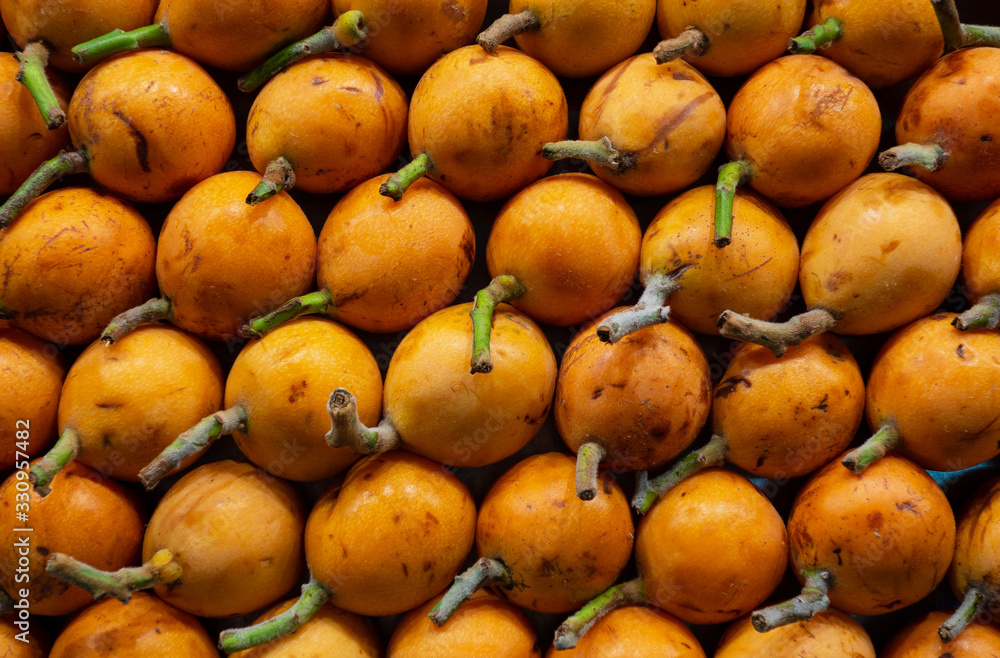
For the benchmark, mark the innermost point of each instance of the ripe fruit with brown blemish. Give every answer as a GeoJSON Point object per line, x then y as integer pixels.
{"type": "Point", "coordinates": [981, 271]}
{"type": "Point", "coordinates": [919, 639]}
{"type": "Point", "coordinates": [829, 633]}
{"type": "Point", "coordinates": [329, 628]}
{"type": "Point", "coordinates": [648, 128]}
{"type": "Point", "coordinates": [635, 631]}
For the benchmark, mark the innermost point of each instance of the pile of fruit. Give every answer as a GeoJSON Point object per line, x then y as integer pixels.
{"type": "Point", "coordinates": [558, 347]}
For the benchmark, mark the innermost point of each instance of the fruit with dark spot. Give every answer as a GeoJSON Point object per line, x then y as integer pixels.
{"type": "Point", "coordinates": [329, 629]}
{"type": "Point", "coordinates": [830, 633]}
{"type": "Point", "coordinates": [919, 639]}
{"type": "Point", "coordinates": [981, 271]}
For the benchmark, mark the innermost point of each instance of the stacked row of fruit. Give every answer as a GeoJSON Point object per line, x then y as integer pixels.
{"type": "Point", "coordinates": [143, 389]}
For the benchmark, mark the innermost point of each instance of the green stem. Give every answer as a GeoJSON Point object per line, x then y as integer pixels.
{"type": "Point", "coordinates": [974, 602]}
{"type": "Point", "coordinates": [33, 60]}
{"type": "Point", "coordinates": [503, 288]}
{"type": "Point", "coordinates": [486, 571]}
{"type": "Point", "coordinates": [162, 569]}
{"type": "Point", "coordinates": [711, 454]}
{"type": "Point", "coordinates": [279, 175]}
{"type": "Point", "coordinates": [632, 592]}
{"type": "Point", "coordinates": [399, 182]}
{"type": "Point", "coordinates": [951, 25]}
{"type": "Point", "coordinates": [191, 442]}
{"type": "Point", "coordinates": [984, 315]}
{"type": "Point", "coordinates": [45, 469]}
{"type": "Point", "coordinates": [507, 27]}
{"type": "Point", "coordinates": [120, 41]}
{"type": "Point", "coordinates": [819, 36]}
{"type": "Point", "coordinates": [348, 30]}
{"type": "Point", "coordinates": [776, 336]}
{"type": "Point", "coordinates": [309, 304]}
{"type": "Point", "coordinates": [691, 41]}
{"type": "Point", "coordinates": [885, 439]}
{"type": "Point", "coordinates": [588, 459]}
{"type": "Point", "coordinates": [6, 603]}
{"type": "Point", "coordinates": [153, 310]}
{"type": "Point", "coordinates": [347, 430]}
{"type": "Point", "coordinates": [731, 175]}
{"type": "Point", "coordinates": [811, 600]}
{"type": "Point", "coordinates": [649, 310]}
{"type": "Point", "coordinates": [928, 156]}
{"type": "Point", "coordinates": [64, 164]}
{"type": "Point", "coordinates": [981, 35]}
{"type": "Point", "coordinates": [314, 595]}
{"type": "Point", "coordinates": [600, 151]}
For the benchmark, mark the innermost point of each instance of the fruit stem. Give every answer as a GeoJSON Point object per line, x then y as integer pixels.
{"type": "Point", "coordinates": [347, 430]}
{"type": "Point", "coordinates": [811, 600]}
{"type": "Point", "coordinates": [196, 439]}
{"type": "Point", "coordinates": [711, 454]}
{"type": "Point", "coordinates": [631, 592]}
{"type": "Point", "coordinates": [885, 439]}
{"type": "Point", "coordinates": [649, 310]}
{"type": "Point", "coordinates": [399, 182]}
{"type": "Point", "coordinates": [819, 36]}
{"type": "Point", "coordinates": [928, 156]}
{"type": "Point", "coordinates": [314, 595]}
{"type": "Point", "coordinates": [162, 569]}
{"type": "Point", "coordinates": [601, 151]}
{"type": "Point", "coordinates": [951, 25]}
{"type": "Point", "coordinates": [119, 41]}
{"type": "Point", "coordinates": [278, 176]}
{"type": "Point", "coordinates": [503, 288]}
{"type": "Point", "coordinates": [691, 41]}
{"type": "Point", "coordinates": [970, 608]}
{"type": "Point", "coordinates": [64, 164]}
{"type": "Point", "coordinates": [309, 304]}
{"type": "Point", "coordinates": [153, 310]}
{"type": "Point", "coordinates": [981, 35]}
{"type": "Point", "coordinates": [588, 459]}
{"type": "Point", "coordinates": [776, 336]}
{"type": "Point", "coordinates": [348, 30]}
{"type": "Point", "coordinates": [486, 571]}
{"type": "Point", "coordinates": [731, 175]}
{"type": "Point", "coordinates": [31, 73]}
{"type": "Point", "coordinates": [506, 27]}
{"type": "Point", "coordinates": [984, 315]}
{"type": "Point", "coordinates": [63, 452]}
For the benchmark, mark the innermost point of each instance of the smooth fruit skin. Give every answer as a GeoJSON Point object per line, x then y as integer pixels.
{"type": "Point", "coordinates": [941, 388]}
{"type": "Point", "coordinates": [560, 551]}
{"type": "Point", "coordinates": [338, 119]}
{"type": "Point", "coordinates": [13, 644]}
{"type": "Point", "coordinates": [886, 536]}
{"type": "Point", "coordinates": [755, 274]}
{"type": "Point", "coordinates": [406, 37]}
{"type": "Point", "coordinates": [954, 105]}
{"type": "Point", "coordinates": [573, 241]}
{"type": "Point", "coordinates": [977, 563]}
{"type": "Point", "coordinates": [806, 406]}
{"type": "Point", "coordinates": [643, 399]}
{"type": "Point", "coordinates": [919, 639]}
{"type": "Point", "coordinates": [445, 413]}
{"type": "Point", "coordinates": [483, 627]}
{"type": "Point", "coordinates": [221, 261]}
{"type": "Point", "coordinates": [980, 265]}
{"type": "Point", "coordinates": [807, 127]}
{"type": "Point", "coordinates": [828, 633]}
{"type": "Point", "coordinates": [749, 547]}
{"type": "Point", "coordinates": [152, 123]}
{"type": "Point", "coordinates": [31, 376]}
{"type": "Point", "coordinates": [145, 627]}
{"type": "Point", "coordinates": [883, 252]}
{"type": "Point", "coordinates": [580, 38]}
{"type": "Point", "coordinates": [389, 264]}
{"type": "Point", "coordinates": [284, 381]}
{"type": "Point", "coordinates": [25, 142]}
{"type": "Point", "coordinates": [483, 119]}
{"type": "Point", "coordinates": [237, 36]}
{"type": "Point", "coordinates": [331, 632]}
{"type": "Point", "coordinates": [82, 506]}
{"type": "Point", "coordinates": [75, 259]}
{"type": "Point", "coordinates": [235, 531]}
{"type": "Point", "coordinates": [62, 24]}
{"type": "Point", "coordinates": [743, 35]}
{"type": "Point", "coordinates": [667, 118]}
{"type": "Point", "coordinates": [883, 43]}
{"type": "Point", "coordinates": [635, 632]}
{"type": "Point", "coordinates": [394, 534]}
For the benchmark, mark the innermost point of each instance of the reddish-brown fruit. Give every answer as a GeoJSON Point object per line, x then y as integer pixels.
{"type": "Point", "coordinates": [635, 632]}
{"type": "Point", "coordinates": [827, 634]}
{"type": "Point", "coordinates": [329, 630]}
{"type": "Point", "coordinates": [31, 376]}
{"type": "Point", "coordinates": [919, 639]}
